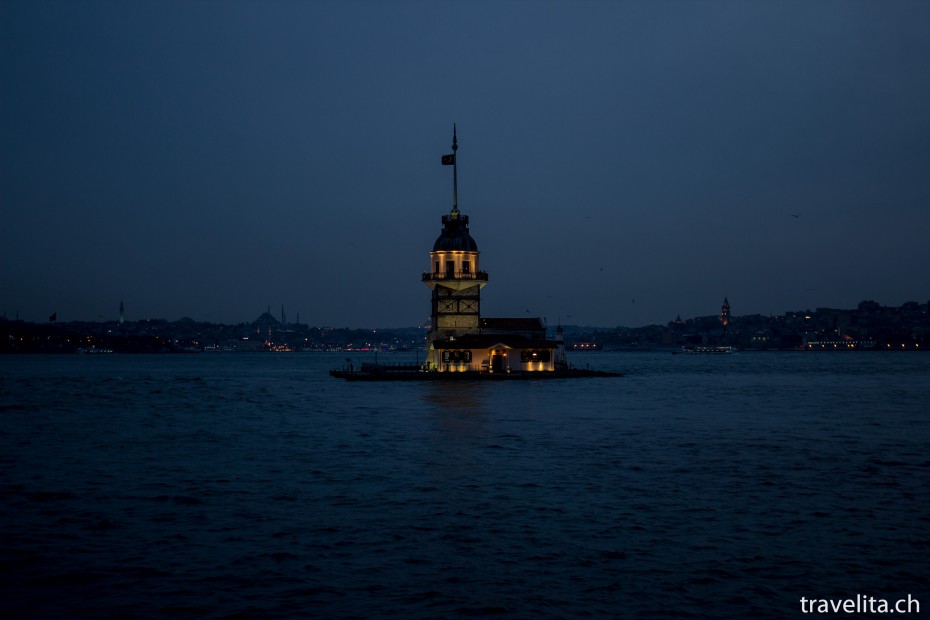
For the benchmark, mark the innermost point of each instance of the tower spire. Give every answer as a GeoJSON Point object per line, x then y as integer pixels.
{"type": "Point", "coordinates": [455, 172]}
{"type": "Point", "coordinates": [451, 160]}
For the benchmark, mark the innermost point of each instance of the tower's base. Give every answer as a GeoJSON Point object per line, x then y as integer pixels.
{"type": "Point", "coordinates": [413, 373]}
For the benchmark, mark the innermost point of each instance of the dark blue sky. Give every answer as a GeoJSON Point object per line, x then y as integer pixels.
{"type": "Point", "coordinates": [208, 159]}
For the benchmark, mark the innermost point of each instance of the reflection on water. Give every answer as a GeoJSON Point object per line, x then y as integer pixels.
{"type": "Point", "coordinates": [460, 396]}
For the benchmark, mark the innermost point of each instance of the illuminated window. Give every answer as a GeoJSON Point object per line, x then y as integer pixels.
{"type": "Point", "coordinates": [456, 357]}
{"type": "Point", "coordinates": [534, 355]}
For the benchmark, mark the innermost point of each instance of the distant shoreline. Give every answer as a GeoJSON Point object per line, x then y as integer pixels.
{"type": "Point", "coordinates": [869, 327]}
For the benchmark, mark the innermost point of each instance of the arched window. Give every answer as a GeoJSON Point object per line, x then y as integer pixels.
{"type": "Point", "coordinates": [451, 356]}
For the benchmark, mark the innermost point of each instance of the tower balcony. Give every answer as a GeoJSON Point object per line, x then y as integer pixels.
{"type": "Point", "coordinates": [457, 280]}
{"type": "Point", "coordinates": [458, 275]}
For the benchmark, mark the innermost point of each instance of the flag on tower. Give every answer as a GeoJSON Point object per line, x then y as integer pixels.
{"type": "Point", "coordinates": [448, 160]}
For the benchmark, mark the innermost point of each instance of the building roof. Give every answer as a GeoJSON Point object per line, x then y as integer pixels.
{"type": "Point", "coordinates": [455, 236]}
{"type": "Point", "coordinates": [512, 324]}
{"type": "Point", "coordinates": [488, 341]}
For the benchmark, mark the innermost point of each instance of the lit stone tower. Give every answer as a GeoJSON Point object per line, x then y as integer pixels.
{"type": "Point", "coordinates": [725, 315]}
{"type": "Point", "coordinates": [454, 276]}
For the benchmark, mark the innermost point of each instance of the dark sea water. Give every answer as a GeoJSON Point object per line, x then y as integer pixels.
{"type": "Point", "coordinates": [256, 486]}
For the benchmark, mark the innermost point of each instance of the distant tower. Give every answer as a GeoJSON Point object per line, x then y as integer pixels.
{"type": "Point", "coordinates": [725, 315]}
{"type": "Point", "coordinates": [283, 318]}
{"type": "Point", "coordinates": [560, 360]}
{"type": "Point", "coordinates": [455, 278]}
{"type": "Point", "coordinates": [122, 312]}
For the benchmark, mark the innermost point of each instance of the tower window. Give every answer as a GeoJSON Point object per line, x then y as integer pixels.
{"type": "Point", "coordinates": [466, 266]}
{"type": "Point", "coordinates": [436, 270]}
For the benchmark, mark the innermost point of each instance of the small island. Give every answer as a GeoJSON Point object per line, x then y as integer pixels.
{"type": "Point", "coordinates": [461, 344]}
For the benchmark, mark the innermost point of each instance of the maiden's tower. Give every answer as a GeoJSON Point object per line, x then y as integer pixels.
{"type": "Point", "coordinates": [462, 344]}
{"type": "Point", "coordinates": [460, 339]}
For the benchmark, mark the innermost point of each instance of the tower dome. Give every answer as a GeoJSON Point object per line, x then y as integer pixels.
{"type": "Point", "coordinates": [455, 236]}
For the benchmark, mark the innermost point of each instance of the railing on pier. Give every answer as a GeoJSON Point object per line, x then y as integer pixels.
{"type": "Point", "coordinates": [370, 368]}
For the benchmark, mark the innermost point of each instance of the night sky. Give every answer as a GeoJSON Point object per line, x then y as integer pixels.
{"type": "Point", "coordinates": [621, 162]}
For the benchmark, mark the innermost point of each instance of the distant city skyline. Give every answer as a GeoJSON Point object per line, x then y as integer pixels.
{"type": "Point", "coordinates": [283, 319]}
{"type": "Point", "coordinates": [622, 163]}
{"type": "Point", "coordinates": [868, 327]}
